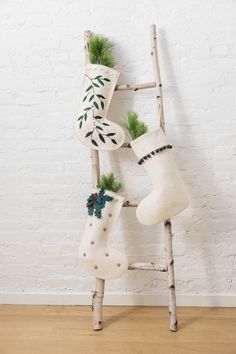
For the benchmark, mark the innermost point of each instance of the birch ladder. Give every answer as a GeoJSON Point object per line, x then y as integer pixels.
{"type": "Point", "coordinates": [98, 294]}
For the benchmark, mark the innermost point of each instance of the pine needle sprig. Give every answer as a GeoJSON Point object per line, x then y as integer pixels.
{"type": "Point", "coordinates": [134, 126]}
{"type": "Point", "coordinates": [101, 51]}
{"type": "Point", "coordinates": [110, 183]}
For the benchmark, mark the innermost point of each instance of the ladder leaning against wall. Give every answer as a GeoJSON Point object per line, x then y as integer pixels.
{"type": "Point", "coordinates": [98, 294]}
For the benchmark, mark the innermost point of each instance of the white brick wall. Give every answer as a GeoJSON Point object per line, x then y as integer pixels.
{"type": "Point", "coordinates": [45, 170]}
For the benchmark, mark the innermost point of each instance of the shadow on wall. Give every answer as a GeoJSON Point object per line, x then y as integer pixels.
{"type": "Point", "coordinates": [201, 231]}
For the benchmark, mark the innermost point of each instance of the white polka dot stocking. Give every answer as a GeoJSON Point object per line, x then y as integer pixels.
{"type": "Point", "coordinates": [96, 255]}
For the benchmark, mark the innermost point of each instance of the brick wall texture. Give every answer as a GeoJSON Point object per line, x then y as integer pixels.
{"type": "Point", "coordinates": [46, 172]}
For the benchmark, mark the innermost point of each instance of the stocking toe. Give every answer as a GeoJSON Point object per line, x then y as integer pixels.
{"type": "Point", "coordinates": [111, 265]}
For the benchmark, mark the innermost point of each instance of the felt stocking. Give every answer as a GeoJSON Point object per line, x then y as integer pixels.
{"type": "Point", "coordinates": [169, 196]}
{"type": "Point", "coordinates": [92, 127]}
{"type": "Point", "coordinates": [96, 255]}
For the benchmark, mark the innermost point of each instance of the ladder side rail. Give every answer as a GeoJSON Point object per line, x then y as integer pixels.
{"type": "Point", "coordinates": [98, 294]}
{"type": "Point", "coordinates": [167, 223]}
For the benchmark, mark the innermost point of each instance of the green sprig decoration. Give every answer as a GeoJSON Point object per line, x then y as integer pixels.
{"type": "Point", "coordinates": [134, 126]}
{"type": "Point", "coordinates": [110, 183]}
{"type": "Point", "coordinates": [101, 51]}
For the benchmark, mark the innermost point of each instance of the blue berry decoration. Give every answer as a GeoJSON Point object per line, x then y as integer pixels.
{"type": "Point", "coordinates": [96, 202]}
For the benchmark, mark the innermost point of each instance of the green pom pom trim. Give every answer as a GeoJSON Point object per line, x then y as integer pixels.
{"type": "Point", "coordinates": [154, 152]}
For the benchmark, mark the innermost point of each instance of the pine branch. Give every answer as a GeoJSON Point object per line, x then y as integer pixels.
{"type": "Point", "coordinates": [110, 183]}
{"type": "Point", "coordinates": [101, 51]}
{"type": "Point", "coordinates": [134, 126]}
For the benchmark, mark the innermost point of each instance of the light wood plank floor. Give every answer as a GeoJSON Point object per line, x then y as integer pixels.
{"type": "Point", "coordinates": [67, 330]}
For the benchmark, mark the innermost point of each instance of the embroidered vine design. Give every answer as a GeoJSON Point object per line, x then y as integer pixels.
{"type": "Point", "coordinates": [96, 202]}
{"type": "Point", "coordinates": [96, 102]}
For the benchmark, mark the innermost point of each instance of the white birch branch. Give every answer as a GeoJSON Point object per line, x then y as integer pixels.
{"type": "Point", "coordinates": [167, 223]}
{"type": "Point", "coordinates": [135, 87]}
{"type": "Point", "coordinates": [171, 276]}
{"type": "Point", "coordinates": [127, 204]}
{"type": "Point", "coordinates": [100, 283]}
{"type": "Point", "coordinates": [148, 266]}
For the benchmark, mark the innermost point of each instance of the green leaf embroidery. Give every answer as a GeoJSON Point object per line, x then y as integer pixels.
{"type": "Point", "coordinates": [107, 198]}
{"type": "Point", "coordinates": [96, 202]}
{"type": "Point", "coordinates": [95, 105]}
{"type": "Point", "coordinates": [100, 96]}
{"type": "Point", "coordinates": [88, 134]}
{"type": "Point", "coordinates": [89, 88]}
{"type": "Point", "coordinates": [90, 211]}
{"type": "Point", "coordinates": [101, 138]}
{"type": "Point", "coordinates": [100, 82]}
{"type": "Point", "coordinates": [98, 214]}
{"type": "Point", "coordinates": [94, 142]}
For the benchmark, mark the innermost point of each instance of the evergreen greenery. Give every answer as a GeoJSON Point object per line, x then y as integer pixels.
{"type": "Point", "coordinates": [101, 51]}
{"type": "Point", "coordinates": [109, 182]}
{"type": "Point", "coordinates": [134, 126]}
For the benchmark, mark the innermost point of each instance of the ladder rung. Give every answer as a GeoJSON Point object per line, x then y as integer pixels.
{"type": "Point", "coordinates": [135, 87]}
{"type": "Point", "coordinates": [127, 204]}
{"type": "Point", "coordinates": [126, 145]}
{"type": "Point", "coordinates": [148, 266]}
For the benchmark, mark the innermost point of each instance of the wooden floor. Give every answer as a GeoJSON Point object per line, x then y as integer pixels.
{"type": "Point", "coordinates": [67, 330]}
